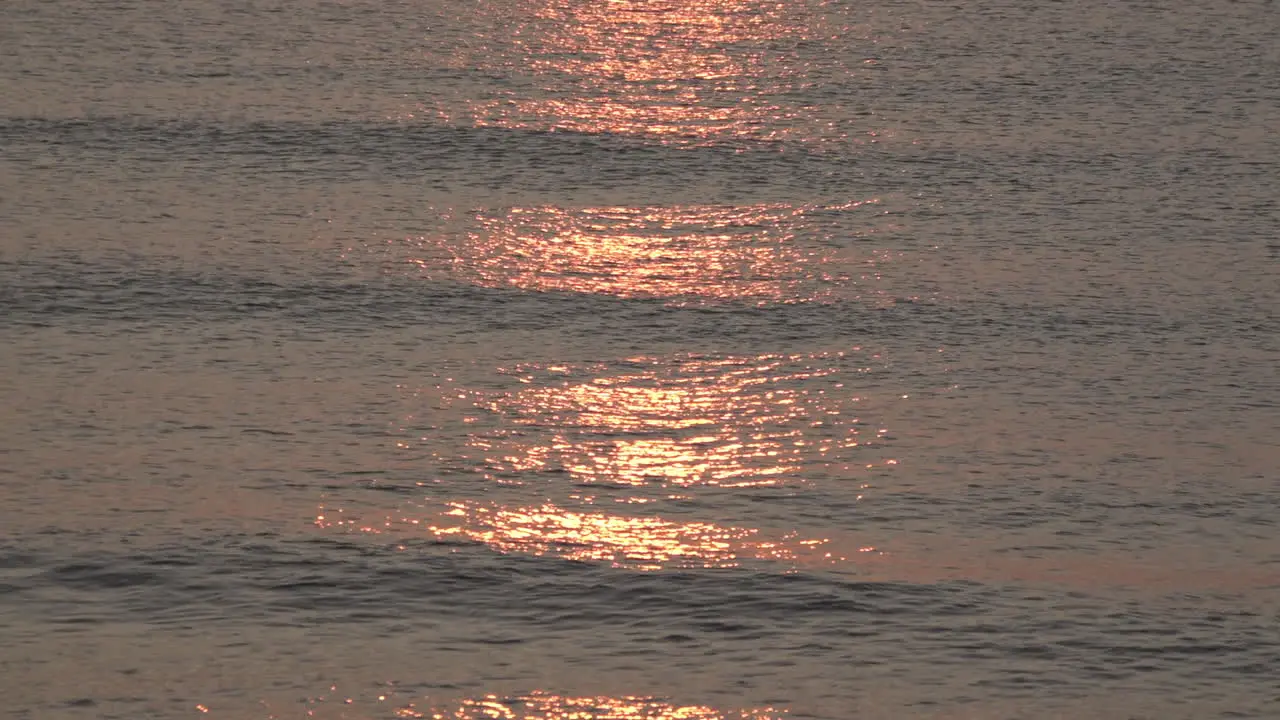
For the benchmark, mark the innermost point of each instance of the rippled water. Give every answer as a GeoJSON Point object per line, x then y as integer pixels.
{"type": "Point", "coordinates": [552, 359]}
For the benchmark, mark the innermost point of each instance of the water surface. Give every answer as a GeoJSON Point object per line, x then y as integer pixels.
{"type": "Point", "coordinates": [703, 360]}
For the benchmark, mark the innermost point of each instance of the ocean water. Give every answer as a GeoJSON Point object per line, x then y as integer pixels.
{"type": "Point", "coordinates": [661, 359]}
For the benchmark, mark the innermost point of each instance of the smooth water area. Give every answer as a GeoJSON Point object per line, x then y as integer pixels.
{"type": "Point", "coordinates": [573, 359]}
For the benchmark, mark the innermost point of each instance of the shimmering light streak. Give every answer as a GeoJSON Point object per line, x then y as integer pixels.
{"type": "Point", "coordinates": [761, 254]}
{"type": "Point", "coordinates": [683, 421]}
{"type": "Point", "coordinates": [633, 542]}
{"type": "Point", "coordinates": [693, 73]}
{"type": "Point", "coordinates": [550, 706]}
{"type": "Point", "coordinates": [640, 543]}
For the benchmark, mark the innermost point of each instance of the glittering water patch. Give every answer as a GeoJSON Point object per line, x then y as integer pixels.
{"type": "Point", "coordinates": [684, 421]}
{"type": "Point", "coordinates": [761, 254]}
{"type": "Point", "coordinates": [645, 543]}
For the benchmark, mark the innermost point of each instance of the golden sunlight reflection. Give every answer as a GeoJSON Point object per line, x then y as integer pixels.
{"type": "Point", "coordinates": [761, 254]}
{"type": "Point", "coordinates": [685, 421]}
{"type": "Point", "coordinates": [607, 462]}
{"type": "Point", "coordinates": [538, 705]}
{"type": "Point", "coordinates": [631, 542]}
{"type": "Point", "coordinates": [550, 706]}
{"type": "Point", "coordinates": [691, 73]}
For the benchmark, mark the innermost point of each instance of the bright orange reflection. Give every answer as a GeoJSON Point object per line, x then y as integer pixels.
{"type": "Point", "coordinates": [631, 542]}
{"type": "Point", "coordinates": [638, 543]}
{"type": "Point", "coordinates": [694, 73]}
{"type": "Point", "coordinates": [548, 706]}
{"type": "Point", "coordinates": [683, 421]}
{"type": "Point", "coordinates": [537, 705]}
{"type": "Point", "coordinates": [762, 254]}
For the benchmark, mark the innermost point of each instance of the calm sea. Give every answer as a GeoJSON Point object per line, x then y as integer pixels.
{"type": "Point", "coordinates": [639, 359]}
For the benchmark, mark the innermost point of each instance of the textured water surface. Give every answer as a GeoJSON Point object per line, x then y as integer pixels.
{"type": "Point", "coordinates": [551, 359]}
